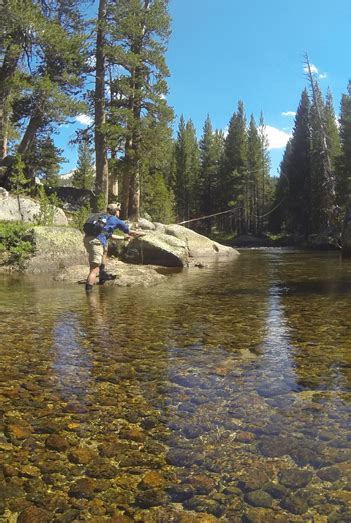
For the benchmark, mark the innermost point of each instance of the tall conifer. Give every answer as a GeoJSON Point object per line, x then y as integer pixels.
{"type": "Point", "coordinates": [210, 155]}
{"type": "Point", "coordinates": [322, 179]}
{"type": "Point", "coordinates": [344, 170]}
{"type": "Point", "coordinates": [187, 170]}
{"type": "Point", "coordinates": [138, 32]}
{"type": "Point", "coordinates": [234, 167]}
{"type": "Point", "coordinates": [298, 171]}
{"type": "Point", "coordinates": [254, 165]}
{"type": "Point", "coordinates": [84, 175]}
{"type": "Point", "coordinates": [265, 186]}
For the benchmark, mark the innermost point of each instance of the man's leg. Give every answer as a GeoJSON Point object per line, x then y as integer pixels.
{"type": "Point", "coordinates": [95, 251]}
{"type": "Point", "coordinates": [103, 263]}
{"type": "Point", "coordinates": [94, 271]}
{"type": "Point", "coordinates": [105, 276]}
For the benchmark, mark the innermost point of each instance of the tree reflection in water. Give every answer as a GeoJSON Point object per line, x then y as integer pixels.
{"type": "Point", "coordinates": [72, 364]}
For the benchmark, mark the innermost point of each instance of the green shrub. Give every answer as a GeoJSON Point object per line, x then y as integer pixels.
{"type": "Point", "coordinates": [80, 217]}
{"type": "Point", "coordinates": [15, 242]}
{"type": "Point", "coordinates": [48, 205]}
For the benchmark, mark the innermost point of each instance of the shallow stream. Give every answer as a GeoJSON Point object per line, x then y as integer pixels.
{"type": "Point", "coordinates": [222, 394]}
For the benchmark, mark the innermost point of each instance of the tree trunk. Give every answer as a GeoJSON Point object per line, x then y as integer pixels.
{"type": "Point", "coordinates": [7, 71]}
{"type": "Point", "coordinates": [101, 182]}
{"type": "Point", "coordinates": [131, 178]}
{"type": "Point", "coordinates": [134, 199]}
{"type": "Point", "coordinates": [34, 124]}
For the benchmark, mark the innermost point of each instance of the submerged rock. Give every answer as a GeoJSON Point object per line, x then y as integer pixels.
{"type": "Point", "coordinates": [259, 498]}
{"type": "Point", "coordinates": [295, 478]}
{"type": "Point", "coordinates": [32, 513]}
{"type": "Point", "coordinates": [295, 504]}
{"type": "Point", "coordinates": [83, 488]}
{"type": "Point", "coordinates": [56, 442]}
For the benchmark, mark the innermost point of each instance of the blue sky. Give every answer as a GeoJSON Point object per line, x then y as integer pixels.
{"type": "Point", "coordinates": [228, 50]}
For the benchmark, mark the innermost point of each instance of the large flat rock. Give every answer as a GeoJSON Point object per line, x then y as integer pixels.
{"type": "Point", "coordinates": [157, 248]}
{"type": "Point", "coordinates": [127, 275]}
{"type": "Point", "coordinates": [199, 246]}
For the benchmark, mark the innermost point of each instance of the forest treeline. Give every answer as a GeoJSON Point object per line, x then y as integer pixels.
{"type": "Point", "coordinates": [56, 64]}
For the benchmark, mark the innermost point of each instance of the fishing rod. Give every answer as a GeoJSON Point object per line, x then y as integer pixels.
{"type": "Point", "coordinates": [206, 216]}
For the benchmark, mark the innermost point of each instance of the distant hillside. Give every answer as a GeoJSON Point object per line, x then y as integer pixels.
{"type": "Point", "coordinates": [66, 179]}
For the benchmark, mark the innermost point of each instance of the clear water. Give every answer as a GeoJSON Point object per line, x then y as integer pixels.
{"type": "Point", "coordinates": [222, 394]}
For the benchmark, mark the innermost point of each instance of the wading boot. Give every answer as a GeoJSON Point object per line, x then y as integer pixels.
{"type": "Point", "coordinates": [105, 276]}
{"type": "Point", "coordinates": [88, 287]}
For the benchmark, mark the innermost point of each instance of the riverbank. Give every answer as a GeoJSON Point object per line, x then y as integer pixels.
{"type": "Point", "coordinates": [313, 242]}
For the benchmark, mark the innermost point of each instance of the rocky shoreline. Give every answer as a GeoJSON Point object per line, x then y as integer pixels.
{"type": "Point", "coordinates": [58, 252]}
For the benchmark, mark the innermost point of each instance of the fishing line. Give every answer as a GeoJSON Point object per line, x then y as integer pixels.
{"type": "Point", "coordinates": [206, 216]}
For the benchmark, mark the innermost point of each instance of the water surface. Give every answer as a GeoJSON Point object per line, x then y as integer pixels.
{"type": "Point", "coordinates": [222, 394]}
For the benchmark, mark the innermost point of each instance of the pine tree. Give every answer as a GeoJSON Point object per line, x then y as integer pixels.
{"type": "Point", "coordinates": [322, 179]}
{"type": "Point", "coordinates": [157, 181]}
{"type": "Point", "coordinates": [40, 90]}
{"type": "Point", "coordinates": [158, 199]}
{"type": "Point", "coordinates": [42, 160]}
{"type": "Point", "coordinates": [210, 155]}
{"type": "Point", "coordinates": [298, 171]}
{"type": "Point", "coordinates": [279, 217]}
{"type": "Point", "coordinates": [137, 34]}
{"type": "Point", "coordinates": [265, 185]}
{"type": "Point", "coordinates": [344, 165]}
{"type": "Point", "coordinates": [234, 167]}
{"type": "Point", "coordinates": [187, 169]}
{"type": "Point", "coordinates": [84, 174]}
{"type": "Point", "coordinates": [254, 165]}
{"type": "Point", "coordinates": [101, 161]}
{"type": "Point", "coordinates": [332, 131]}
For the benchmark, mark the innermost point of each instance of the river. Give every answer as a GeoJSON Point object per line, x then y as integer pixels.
{"type": "Point", "coordinates": [222, 394]}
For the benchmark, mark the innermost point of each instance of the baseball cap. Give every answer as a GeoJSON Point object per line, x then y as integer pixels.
{"type": "Point", "coordinates": [114, 207]}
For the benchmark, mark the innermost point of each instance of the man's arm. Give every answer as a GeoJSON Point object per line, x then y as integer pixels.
{"type": "Point", "coordinates": [131, 234]}
{"type": "Point", "coordinates": [136, 234]}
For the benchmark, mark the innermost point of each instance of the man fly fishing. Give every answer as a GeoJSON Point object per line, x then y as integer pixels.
{"type": "Point", "coordinates": [98, 229]}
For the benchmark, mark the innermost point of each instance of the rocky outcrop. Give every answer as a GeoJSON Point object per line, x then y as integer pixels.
{"type": "Point", "coordinates": [13, 208]}
{"type": "Point", "coordinates": [72, 198]}
{"type": "Point", "coordinates": [55, 249]}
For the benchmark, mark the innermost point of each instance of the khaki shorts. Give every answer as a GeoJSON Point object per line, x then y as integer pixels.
{"type": "Point", "coordinates": [95, 250]}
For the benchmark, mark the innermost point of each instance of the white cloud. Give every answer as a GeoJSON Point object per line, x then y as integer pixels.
{"type": "Point", "coordinates": [276, 137]}
{"type": "Point", "coordinates": [289, 113]}
{"type": "Point", "coordinates": [84, 119]}
{"type": "Point", "coordinates": [314, 70]}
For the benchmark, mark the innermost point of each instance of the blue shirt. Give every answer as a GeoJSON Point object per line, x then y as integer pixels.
{"type": "Point", "coordinates": [112, 223]}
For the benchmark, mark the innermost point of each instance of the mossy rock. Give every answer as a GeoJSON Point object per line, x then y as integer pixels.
{"type": "Point", "coordinates": [55, 248]}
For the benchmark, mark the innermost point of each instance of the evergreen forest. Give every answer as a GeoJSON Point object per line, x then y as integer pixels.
{"type": "Point", "coordinates": [56, 64]}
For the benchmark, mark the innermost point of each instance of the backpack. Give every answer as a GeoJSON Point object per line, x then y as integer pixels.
{"type": "Point", "coordinates": [95, 224]}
